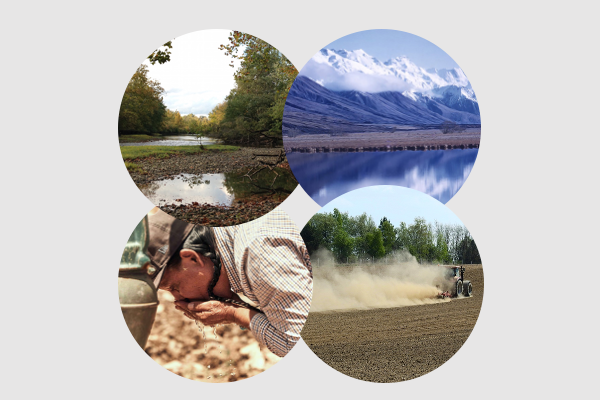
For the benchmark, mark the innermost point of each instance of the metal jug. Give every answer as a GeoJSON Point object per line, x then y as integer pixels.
{"type": "Point", "coordinates": [137, 293]}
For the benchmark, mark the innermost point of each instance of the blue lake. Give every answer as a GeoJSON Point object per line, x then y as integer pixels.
{"type": "Point", "coordinates": [439, 173]}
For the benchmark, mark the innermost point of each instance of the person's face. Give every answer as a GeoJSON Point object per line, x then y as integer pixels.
{"type": "Point", "coordinates": [189, 280]}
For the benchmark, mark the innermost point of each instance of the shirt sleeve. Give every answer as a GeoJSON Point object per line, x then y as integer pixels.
{"type": "Point", "coordinates": [281, 279]}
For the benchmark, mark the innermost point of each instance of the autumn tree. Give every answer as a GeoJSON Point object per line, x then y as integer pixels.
{"type": "Point", "coordinates": [254, 110]}
{"type": "Point", "coordinates": [162, 54]}
{"type": "Point", "coordinates": [142, 108]}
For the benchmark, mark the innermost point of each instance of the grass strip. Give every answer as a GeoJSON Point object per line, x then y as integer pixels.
{"type": "Point", "coordinates": [139, 152]}
{"type": "Point", "coordinates": [138, 138]}
{"type": "Point", "coordinates": [133, 167]}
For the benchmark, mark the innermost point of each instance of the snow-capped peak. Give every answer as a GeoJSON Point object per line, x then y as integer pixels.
{"type": "Point", "coordinates": [418, 79]}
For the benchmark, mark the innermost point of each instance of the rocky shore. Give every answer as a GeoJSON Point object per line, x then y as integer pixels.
{"type": "Point", "coordinates": [209, 162]}
{"type": "Point", "coordinates": [219, 215]}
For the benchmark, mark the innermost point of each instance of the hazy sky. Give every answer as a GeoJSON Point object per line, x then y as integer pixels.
{"type": "Point", "coordinates": [198, 77]}
{"type": "Point", "coordinates": [386, 43]}
{"type": "Point", "coordinates": [398, 204]}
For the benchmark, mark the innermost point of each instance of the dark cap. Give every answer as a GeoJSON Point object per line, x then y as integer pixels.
{"type": "Point", "coordinates": [166, 235]}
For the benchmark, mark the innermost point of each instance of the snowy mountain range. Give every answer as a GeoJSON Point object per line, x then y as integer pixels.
{"type": "Point", "coordinates": [340, 86]}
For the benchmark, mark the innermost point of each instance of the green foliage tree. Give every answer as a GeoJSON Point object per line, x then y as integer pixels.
{"type": "Point", "coordinates": [421, 240]}
{"type": "Point", "coordinates": [319, 232]}
{"type": "Point", "coordinates": [142, 108]}
{"type": "Point", "coordinates": [467, 252]}
{"type": "Point", "coordinates": [442, 255]}
{"type": "Point", "coordinates": [388, 233]}
{"type": "Point", "coordinates": [255, 106]}
{"type": "Point", "coordinates": [375, 246]}
{"type": "Point", "coordinates": [343, 244]}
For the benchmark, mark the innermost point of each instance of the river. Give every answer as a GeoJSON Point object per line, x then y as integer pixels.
{"type": "Point", "coordinates": [176, 140]}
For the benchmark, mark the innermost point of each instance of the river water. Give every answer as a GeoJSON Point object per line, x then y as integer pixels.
{"type": "Point", "coordinates": [178, 140]}
{"type": "Point", "coordinates": [220, 189]}
{"type": "Point", "coordinates": [439, 173]}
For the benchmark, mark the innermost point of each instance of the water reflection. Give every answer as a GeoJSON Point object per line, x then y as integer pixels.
{"type": "Point", "coordinates": [221, 189]}
{"type": "Point", "coordinates": [179, 140]}
{"type": "Point", "coordinates": [439, 173]}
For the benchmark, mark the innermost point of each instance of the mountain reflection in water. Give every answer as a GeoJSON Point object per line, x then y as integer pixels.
{"type": "Point", "coordinates": [439, 173]}
{"type": "Point", "coordinates": [221, 189]}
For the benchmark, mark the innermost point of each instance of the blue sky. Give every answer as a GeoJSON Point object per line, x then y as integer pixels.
{"type": "Point", "coordinates": [198, 77]}
{"type": "Point", "coordinates": [397, 203]}
{"type": "Point", "coordinates": [386, 43]}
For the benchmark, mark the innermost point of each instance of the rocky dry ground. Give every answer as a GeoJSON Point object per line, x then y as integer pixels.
{"type": "Point", "coordinates": [176, 343]}
{"type": "Point", "coordinates": [209, 162]}
{"type": "Point", "coordinates": [431, 137]}
{"type": "Point", "coordinates": [217, 215]}
{"type": "Point", "coordinates": [395, 344]}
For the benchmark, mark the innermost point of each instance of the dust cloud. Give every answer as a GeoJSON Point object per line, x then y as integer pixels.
{"type": "Point", "coordinates": [401, 281]}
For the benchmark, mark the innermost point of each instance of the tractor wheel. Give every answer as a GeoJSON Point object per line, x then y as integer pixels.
{"type": "Point", "coordinates": [459, 287]}
{"type": "Point", "coordinates": [467, 288]}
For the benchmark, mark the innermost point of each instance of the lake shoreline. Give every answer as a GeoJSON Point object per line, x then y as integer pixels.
{"type": "Point", "coordinates": [383, 141]}
{"type": "Point", "coordinates": [387, 148]}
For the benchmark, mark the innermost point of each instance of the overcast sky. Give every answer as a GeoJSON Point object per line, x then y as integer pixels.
{"type": "Point", "coordinates": [198, 77]}
{"type": "Point", "coordinates": [398, 204]}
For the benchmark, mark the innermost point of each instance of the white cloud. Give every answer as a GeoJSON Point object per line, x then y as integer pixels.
{"type": "Point", "coordinates": [328, 77]}
{"type": "Point", "coordinates": [198, 77]}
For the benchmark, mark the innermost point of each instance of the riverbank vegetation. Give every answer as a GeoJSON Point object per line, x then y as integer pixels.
{"type": "Point", "coordinates": [138, 152]}
{"type": "Point", "coordinates": [352, 239]}
{"type": "Point", "coordinates": [251, 115]}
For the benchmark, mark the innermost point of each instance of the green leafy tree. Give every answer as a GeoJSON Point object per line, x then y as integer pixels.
{"type": "Point", "coordinates": [388, 233]}
{"type": "Point", "coordinates": [442, 255]}
{"type": "Point", "coordinates": [375, 246]}
{"type": "Point", "coordinates": [343, 244]}
{"type": "Point", "coordinates": [319, 232]}
{"type": "Point", "coordinates": [467, 252]}
{"type": "Point", "coordinates": [420, 240]}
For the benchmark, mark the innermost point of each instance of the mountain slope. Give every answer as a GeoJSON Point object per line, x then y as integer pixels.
{"type": "Point", "coordinates": [313, 108]}
{"type": "Point", "coordinates": [359, 77]}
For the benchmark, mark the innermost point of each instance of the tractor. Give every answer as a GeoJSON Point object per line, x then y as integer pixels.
{"type": "Point", "coordinates": [453, 283]}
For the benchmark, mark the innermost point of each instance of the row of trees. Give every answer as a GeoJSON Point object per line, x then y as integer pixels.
{"type": "Point", "coordinates": [250, 115]}
{"type": "Point", "coordinates": [357, 238]}
{"type": "Point", "coordinates": [143, 110]}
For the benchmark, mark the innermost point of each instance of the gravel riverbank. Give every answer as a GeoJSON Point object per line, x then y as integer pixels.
{"type": "Point", "coordinates": [208, 162]}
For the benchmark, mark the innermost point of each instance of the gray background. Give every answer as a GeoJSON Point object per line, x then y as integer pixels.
{"type": "Point", "coordinates": [530, 201]}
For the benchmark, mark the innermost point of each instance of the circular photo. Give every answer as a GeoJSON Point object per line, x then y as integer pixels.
{"type": "Point", "coordinates": [200, 127]}
{"type": "Point", "coordinates": [381, 107]}
{"type": "Point", "coordinates": [398, 284]}
{"type": "Point", "coordinates": [215, 304]}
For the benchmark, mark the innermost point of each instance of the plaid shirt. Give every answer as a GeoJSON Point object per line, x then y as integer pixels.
{"type": "Point", "coordinates": [267, 261]}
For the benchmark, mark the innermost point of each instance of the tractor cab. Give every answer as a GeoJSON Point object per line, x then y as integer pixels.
{"type": "Point", "coordinates": [455, 284]}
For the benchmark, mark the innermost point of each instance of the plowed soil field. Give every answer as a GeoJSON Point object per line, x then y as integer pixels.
{"type": "Point", "coordinates": [395, 344]}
